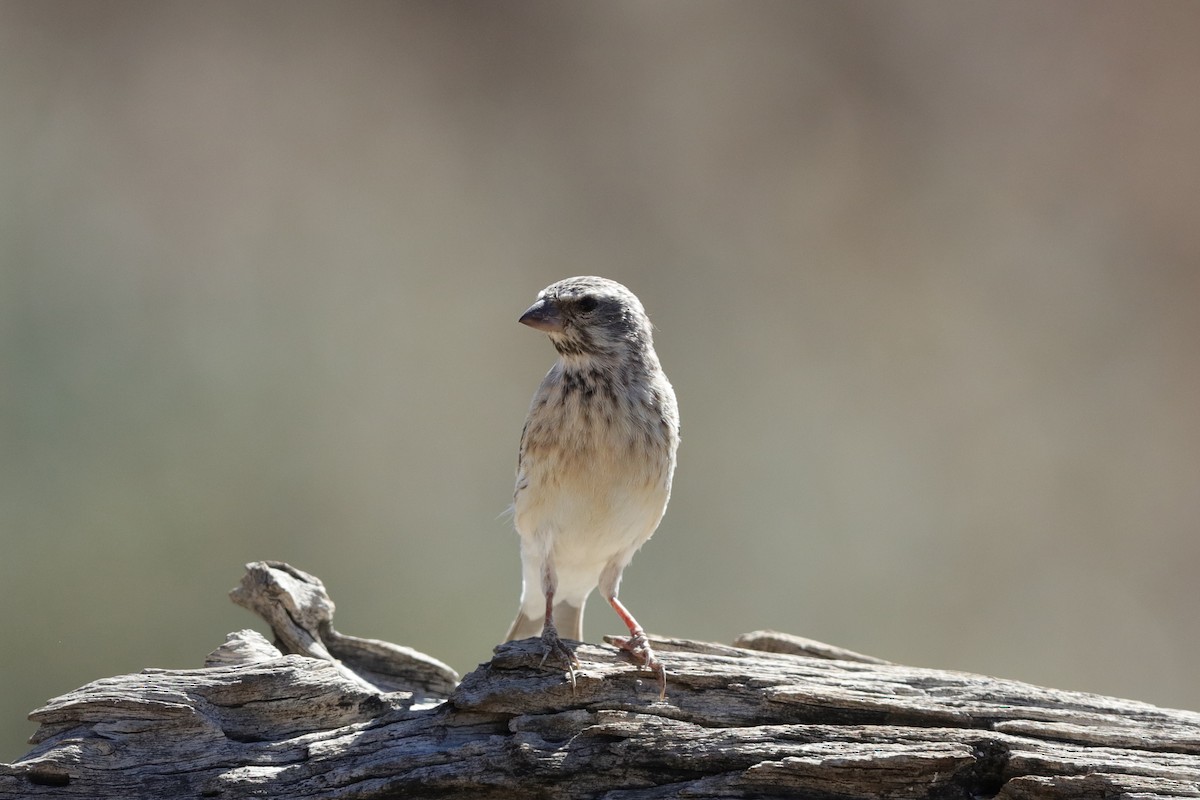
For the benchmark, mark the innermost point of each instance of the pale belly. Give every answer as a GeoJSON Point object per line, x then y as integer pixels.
{"type": "Point", "coordinates": [583, 525]}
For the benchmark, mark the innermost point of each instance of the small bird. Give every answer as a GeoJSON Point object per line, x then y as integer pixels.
{"type": "Point", "coordinates": [595, 466]}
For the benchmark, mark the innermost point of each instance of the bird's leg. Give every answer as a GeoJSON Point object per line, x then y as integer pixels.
{"type": "Point", "coordinates": [550, 641]}
{"type": "Point", "coordinates": [638, 646]}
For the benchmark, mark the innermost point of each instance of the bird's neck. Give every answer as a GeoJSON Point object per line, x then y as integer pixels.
{"type": "Point", "coordinates": [624, 368]}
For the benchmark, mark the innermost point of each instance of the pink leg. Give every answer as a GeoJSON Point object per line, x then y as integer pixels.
{"type": "Point", "coordinates": [638, 646]}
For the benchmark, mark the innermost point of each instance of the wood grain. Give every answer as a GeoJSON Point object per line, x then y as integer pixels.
{"type": "Point", "coordinates": [737, 722]}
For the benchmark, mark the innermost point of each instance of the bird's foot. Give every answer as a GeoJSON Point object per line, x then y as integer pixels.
{"type": "Point", "coordinates": [638, 647]}
{"type": "Point", "coordinates": [553, 646]}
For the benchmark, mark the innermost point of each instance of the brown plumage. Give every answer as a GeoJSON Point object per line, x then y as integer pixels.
{"type": "Point", "coordinates": [596, 461]}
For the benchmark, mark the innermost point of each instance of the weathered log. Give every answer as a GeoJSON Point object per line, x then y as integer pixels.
{"type": "Point", "coordinates": [353, 718]}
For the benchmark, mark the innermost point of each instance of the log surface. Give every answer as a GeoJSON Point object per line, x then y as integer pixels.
{"type": "Point", "coordinates": [803, 720]}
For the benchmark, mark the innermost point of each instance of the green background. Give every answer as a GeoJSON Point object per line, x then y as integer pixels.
{"type": "Point", "coordinates": [924, 274]}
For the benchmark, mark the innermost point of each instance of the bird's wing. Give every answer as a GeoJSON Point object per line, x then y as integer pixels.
{"type": "Point", "coordinates": [522, 482]}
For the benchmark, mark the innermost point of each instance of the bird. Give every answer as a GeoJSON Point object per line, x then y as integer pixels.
{"type": "Point", "coordinates": [595, 464]}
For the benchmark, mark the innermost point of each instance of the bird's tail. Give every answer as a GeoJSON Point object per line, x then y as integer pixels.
{"type": "Point", "coordinates": [567, 618]}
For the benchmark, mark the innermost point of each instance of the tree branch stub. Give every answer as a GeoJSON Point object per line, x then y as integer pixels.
{"type": "Point", "coordinates": [359, 718]}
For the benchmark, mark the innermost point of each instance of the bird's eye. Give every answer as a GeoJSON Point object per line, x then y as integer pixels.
{"type": "Point", "coordinates": [588, 303]}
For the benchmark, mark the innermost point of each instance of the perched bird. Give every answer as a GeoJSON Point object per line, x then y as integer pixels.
{"type": "Point", "coordinates": [595, 465]}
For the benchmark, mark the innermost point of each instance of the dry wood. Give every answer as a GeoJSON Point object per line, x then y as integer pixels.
{"type": "Point", "coordinates": [338, 717]}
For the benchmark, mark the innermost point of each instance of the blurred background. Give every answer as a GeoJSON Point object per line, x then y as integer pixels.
{"type": "Point", "coordinates": [924, 275]}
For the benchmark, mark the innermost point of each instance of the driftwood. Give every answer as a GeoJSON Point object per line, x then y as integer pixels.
{"type": "Point", "coordinates": [777, 716]}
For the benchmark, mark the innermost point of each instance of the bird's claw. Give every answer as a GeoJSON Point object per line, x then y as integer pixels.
{"type": "Point", "coordinates": [638, 647]}
{"type": "Point", "coordinates": [552, 645]}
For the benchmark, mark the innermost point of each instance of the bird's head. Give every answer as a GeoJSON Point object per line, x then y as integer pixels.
{"type": "Point", "coordinates": [590, 316]}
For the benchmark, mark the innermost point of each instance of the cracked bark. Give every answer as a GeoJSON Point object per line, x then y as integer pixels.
{"type": "Point", "coordinates": [322, 715]}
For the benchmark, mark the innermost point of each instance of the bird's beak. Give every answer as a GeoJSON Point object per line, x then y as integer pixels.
{"type": "Point", "coordinates": [543, 316]}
